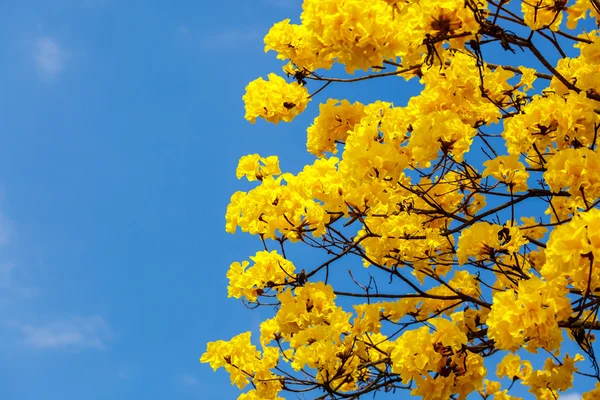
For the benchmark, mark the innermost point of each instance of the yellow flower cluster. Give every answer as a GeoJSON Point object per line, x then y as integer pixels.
{"type": "Point", "coordinates": [317, 332]}
{"type": "Point", "coordinates": [579, 10]}
{"type": "Point", "coordinates": [541, 14]}
{"type": "Point", "coordinates": [443, 127]}
{"type": "Point", "coordinates": [513, 367]}
{"type": "Point", "coordinates": [274, 100]}
{"type": "Point", "coordinates": [361, 35]}
{"type": "Point", "coordinates": [577, 171]}
{"type": "Point", "coordinates": [405, 196]}
{"type": "Point", "coordinates": [508, 170]}
{"type": "Point", "coordinates": [592, 394]}
{"type": "Point", "coordinates": [529, 316]}
{"type": "Point", "coordinates": [291, 205]}
{"type": "Point", "coordinates": [245, 363]}
{"type": "Point", "coordinates": [573, 252]}
{"type": "Point", "coordinates": [296, 43]}
{"type": "Point", "coordinates": [254, 167]}
{"type": "Point", "coordinates": [308, 307]}
{"type": "Point", "coordinates": [312, 323]}
{"type": "Point", "coordinates": [584, 69]}
{"type": "Point", "coordinates": [419, 352]}
{"type": "Point", "coordinates": [358, 34]}
{"type": "Point", "coordinates": [332, 125]}
{"type": "Point", "coordinates": [457, 88]}
{"type": "Point", "coordinates": [320, 335]}
{"type": "Point", "coordinates": [414, 354]}
{"type": "Point", "coordinates": [393, 242]}
{"type": "Point", "coordinates": [527, 78]}
{"type": "Point", "coordinates": [369, 157]}
{"type": "Point", "coordinates": [549, 123]}
{"type": "Point", "coordinates": [270, 270]}
{"type": "Point", "coordinates": [545, 384]}
{"type": "Point", "coordinates": [483, 241]}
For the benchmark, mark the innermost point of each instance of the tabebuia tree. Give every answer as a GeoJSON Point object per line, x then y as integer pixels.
{"type": "Point", "coordinates": [448, 247]}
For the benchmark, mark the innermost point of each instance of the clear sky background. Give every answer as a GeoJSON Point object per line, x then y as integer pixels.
{"type": "Point", "coordinates": [121, 126]}
{"type": "Point", "coordinates": [121, 123]}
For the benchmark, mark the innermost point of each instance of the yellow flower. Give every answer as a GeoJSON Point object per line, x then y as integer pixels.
{"type": "Point", "coordinates": [575, 170]}
{"type": "Point", "coordinates": [531, 312]}
{"type": "Point", "coordinates": [236, 355]}
{"type": "Point", "coordinates": [512, 367]}
{"type": "Point", "coordinates": [480, 240]}
{"type": "Point", "coordinates": [592, 394]}
{"type": "Point", "coordinates": [503, 395]}
{"type": "Point", "coordinates": [530, 229]}
{"type": "Point", "coordinates": [297, 44]}
{"type": "Point", "coordinates": [440, 131]}
{"type": "Point", "coordinates": [430, 388]}
{"type": "Point", "coordinates": [491, 387]}
{"type": "Point", "coordinates": [573, 251]}
{"type": "Point", "coordinates": [578, 10]}
{"type": "Point", "coordinates": [540, 14]}
{"type": "Point", "coordinates": [406, 195]}
{"type": "Point", "coordinates": [414, 354]}
{"type": "Point", "coordinates": [274, 100]}
{"type": "Point", "coordinates": [332, 125]}
{"type": "Point", "coordinates": [358, 34]}
{"type": "Point", "coordinates": [255, 167]}
{"type": "Point", "coordinates": [270, 270]}
{"type": "Point", "coordinates": [448, 333]}
{"type": "Point", "coordinates": [508, 170]}
{"type": "Point", "coordinates": [527, 78]}
{"type": "Point", "coordinates": [553, 377]}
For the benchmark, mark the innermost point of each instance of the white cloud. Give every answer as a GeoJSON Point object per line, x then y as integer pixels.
{"type": "Point", "coordinates": [570, 396]}
{"type": "Point", "coordinates": [6, 281]}
{"type": "Point", "coordinates": [189, 380]}
{"type": "Point", "coordinates": [124, 373]}
{"type": "Point", "coordinates": [75, 332]}
{"type": "Point", "coordinates": [283, 3]}
{"type": "Point", "coordinates": [84, 3]}
{"type": "Point", "coordinates": [232, 38]}
{"type": "Point", "coordinates": [183, 31]}
{"type": "Point", "coordinates": [9, 288]}
{"type": "Point", "coordinates": [96, 3]}
{"type": "Point", "coordinates": [88, 332]}
{"type": "Point", "coordinates": [49, 56]}
{"type": "Point", "coordinates": [228, 38]}
{"type": "Point", "coordinates": [5, 229]}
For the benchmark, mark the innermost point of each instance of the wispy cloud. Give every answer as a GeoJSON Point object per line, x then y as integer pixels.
{"type": "Point", "coordinates": [6, 280]}
{"type": "Point", "coordinates": [96, 3]}
{"type": "Point", "coordinates": [189, 380]}
{"type": "Point", "coordinates": [183, 31]}
{"type": "Point", "coordinates": [284, 3]}
{"type": "Point", "coordinates": [84, 3]}
{"type": "Point", "coordinates": [124, 373]}
{"type": "Point", "coordinates": [232, 38]}
{"type": "Point", "coordinates": [570, 396]}
{"type": "Point", "coordinates": [17, 312]}
{"type": "Point", "coordinates": [9, 288]}
{"type": "Point", "coordinates": [88, 332]}
{"type": "Point", "coordinates": [5, 229]}
{"type": "Point", "coordinates": [50, 57]}
{"type": "Point", "coordinates": [227, 38]}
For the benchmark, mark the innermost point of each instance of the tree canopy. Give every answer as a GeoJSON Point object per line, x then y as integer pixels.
{"type": "Point", "coordinates": [473, 208]}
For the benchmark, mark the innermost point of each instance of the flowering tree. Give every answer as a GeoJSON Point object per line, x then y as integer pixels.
{"type": "Point", "coordinates": [474, 207]}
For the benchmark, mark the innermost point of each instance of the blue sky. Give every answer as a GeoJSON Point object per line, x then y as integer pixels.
{"type": "Point", "coordinates": [122, 123]}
